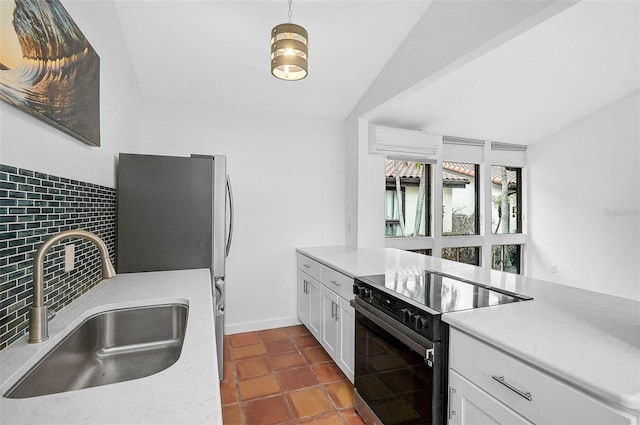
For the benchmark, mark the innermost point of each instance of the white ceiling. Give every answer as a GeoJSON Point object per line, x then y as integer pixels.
{"type": "Point", "coordinates": [531, 86]}
{"type": "Point", "coordinates": [219, 51]}
{"type": "Point", "coordinates": [535, 84]}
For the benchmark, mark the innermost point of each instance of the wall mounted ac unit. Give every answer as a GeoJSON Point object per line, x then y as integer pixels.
{"type": "Point", "coordinates": [404, 143]}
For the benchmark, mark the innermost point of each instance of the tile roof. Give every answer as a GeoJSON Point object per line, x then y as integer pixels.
{"type": "Point", "coordinates": [452, 171]}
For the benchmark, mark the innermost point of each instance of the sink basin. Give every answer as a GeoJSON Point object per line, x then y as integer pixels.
{"type": "Point", "coordinates": [109, 347]}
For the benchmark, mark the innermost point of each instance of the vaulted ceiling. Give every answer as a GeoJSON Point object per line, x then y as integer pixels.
{"type": "Point", "coordinates": [520, 91]}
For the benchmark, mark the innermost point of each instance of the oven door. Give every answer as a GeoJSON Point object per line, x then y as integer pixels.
{"type": "Point", "coordinates": [397, 374]}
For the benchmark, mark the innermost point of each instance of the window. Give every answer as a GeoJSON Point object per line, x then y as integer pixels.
{"type": "Point", "coordinates": [421, 251]}
{"type": "Point", "coordinates": [506, 199]}
{"type": "Point", "coordinates": [407, 199]}
{"type": "Point", "coordinates": [506, 258]}
{"type": "Point", "coordinates": [460, 203]}
{"type": "Point", "coordinates": [467, 255]}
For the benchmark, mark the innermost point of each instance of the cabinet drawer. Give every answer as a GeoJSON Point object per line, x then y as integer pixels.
{"type": "Point", "coordinates": [551, 400]}
{"type": "Point", "coordinates": [338, 282]}
{"type": "Point", "coordinates": [310, 267]}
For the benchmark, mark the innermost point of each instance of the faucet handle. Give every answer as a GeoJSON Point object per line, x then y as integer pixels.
{"type": "Point", "coordinates": [50, 314]}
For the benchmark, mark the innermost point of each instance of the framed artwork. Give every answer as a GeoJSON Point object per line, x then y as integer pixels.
{"type": "Point", "coordinates": [48, 68]}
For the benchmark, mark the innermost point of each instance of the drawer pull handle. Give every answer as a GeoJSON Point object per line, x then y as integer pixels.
{"type": "Point", "coordinates": [521, 393]}
{"type": "Point", "coordinates": [306, 266]}
{"type": "Point", "coordinates": [336, 283]}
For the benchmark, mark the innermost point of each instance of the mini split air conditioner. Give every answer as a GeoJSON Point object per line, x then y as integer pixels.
{"type": "Point", "coordinates": [405, 143]}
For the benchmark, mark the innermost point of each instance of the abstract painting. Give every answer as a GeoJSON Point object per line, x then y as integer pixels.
{"type": "Point", "coordinates": [48, 68]}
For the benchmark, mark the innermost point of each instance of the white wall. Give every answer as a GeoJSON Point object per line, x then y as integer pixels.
{"type": "Point", "coordinates": [27, 142]}
{"type": "Point", "coordinates": [288, 178]}
{"type": "Point", "coordinates": [584, 208]}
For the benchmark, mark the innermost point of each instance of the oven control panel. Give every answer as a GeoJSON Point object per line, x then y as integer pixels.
{"type": "Point", "coordinates": [425, 324]}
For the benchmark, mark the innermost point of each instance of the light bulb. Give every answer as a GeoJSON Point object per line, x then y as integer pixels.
{"type": "Point", "coordinates": [288, 52]}
{"type": "Point", "coordinates": [286, 71]}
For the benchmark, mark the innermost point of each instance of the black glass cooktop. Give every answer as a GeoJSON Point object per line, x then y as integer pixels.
{"type": "Point", "coordinates": [442, 293]}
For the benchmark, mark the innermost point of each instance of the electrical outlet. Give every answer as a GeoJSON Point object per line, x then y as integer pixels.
{"type": "Point", "coordinates": [69, 257]}
{"type": "Point", "coordinates": [554, 269]}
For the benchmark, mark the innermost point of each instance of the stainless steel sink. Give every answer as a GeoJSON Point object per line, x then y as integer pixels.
{"type": "Point", "coordinates": [109, 347]}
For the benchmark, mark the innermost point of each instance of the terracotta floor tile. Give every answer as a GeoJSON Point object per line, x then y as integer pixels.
{"type": "Point", "coordinates": [296, 379]}
{"type": "Point", "coordinates": [283, 376]}
{"type": "Point", "coordinates": [229, 372]}
{"type": "Point", "coordinates": [287, 361]}
{"type": "Point", "coordinates": [310, 402]}
{"type": "Point", "coordinates": [258, 387]}
{"type": "Point", "coordinates": [350, 417]}
{"type": "Point", "coordinates": [296, 330]}
{"type": "Point", "coordinates": [252, 367]}
{"type": "Point", "coordinates": [280, 346]}
{"type": "Point", "coordinates": [341, 393]}
{"type": "Point", "coordinates": [254, 350]}
{"type": "Point", "coordinates": [246, 338]}
{"type": "Point", "coordinates": [332, 418]}
{"type": "Point", "coordinates": [305, 341]}
{"type": "Point", "coordinates": [273, 334]}
{"type": "Point", "coordinates": [315, 355]}
{"type": "Point", "coordinates": [267, 411]}
{"type": "Point", "coordinates": [328, 372]}
{"type": "Point", "coordinates": [228, 393]}
{"type": "Point", "coordinates": [232, 414]}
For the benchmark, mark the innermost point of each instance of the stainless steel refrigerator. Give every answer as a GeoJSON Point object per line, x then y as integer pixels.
{"type": "Point", "coordinates": [176, 213]}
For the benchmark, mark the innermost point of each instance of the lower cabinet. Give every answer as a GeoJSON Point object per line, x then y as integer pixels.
{"type": "Point", "coordinates": [309, 303]}
{"type": "Point", "coordinates": [330, 328]}
{"type": "Point", "coordinates": [490, 386]}
{"type": "Point", "coordinates": [323, 306]}
{"type": "Point", "coordinates": [345, 355]}
{"type": "Point", "coordinates": [470, 405]}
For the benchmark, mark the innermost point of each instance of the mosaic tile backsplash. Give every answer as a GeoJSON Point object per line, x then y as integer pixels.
{"type": "Point", "coordinates": [33, 207]}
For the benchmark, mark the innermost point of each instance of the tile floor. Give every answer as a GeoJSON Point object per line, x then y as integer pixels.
{"type": "Point", "coordinates": [283, 376]}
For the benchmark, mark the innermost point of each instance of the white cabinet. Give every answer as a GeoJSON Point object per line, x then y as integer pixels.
{"type": "Point", "coordinates": [323, 306]}
{"type": "Point", "coordinates": [470, 405]}
{"type": "Point", "coordinates": [309, 308]}
{"type": "Point", "coordinates": [329, 334]}
{"type": "Point", "coordinates": [345, 355]}
{"type": "Point", "coordinates": [485, 382]}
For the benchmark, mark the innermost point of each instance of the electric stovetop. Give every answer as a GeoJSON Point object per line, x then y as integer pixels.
{"type": "Point", "coordinates": [440, 292]}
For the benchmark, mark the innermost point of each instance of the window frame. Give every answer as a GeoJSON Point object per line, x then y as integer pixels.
{"type": "Point", "coordinates": [428, 203]}
{"type": "Point", "coordinates": [483, 155]}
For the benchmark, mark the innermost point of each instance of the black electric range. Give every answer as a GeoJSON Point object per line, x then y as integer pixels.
{"type": "Point", "coordinates": [402, 343]}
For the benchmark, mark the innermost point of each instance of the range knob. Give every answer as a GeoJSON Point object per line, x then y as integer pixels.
{"type": "Point", "coordinates": [419, 322]}
{"type": "Point", "coordinates": [406, 315]}
{"type": "Point", "coordinates": [365, 293]}
{"type": "Point", "coordinates": [356, 289]}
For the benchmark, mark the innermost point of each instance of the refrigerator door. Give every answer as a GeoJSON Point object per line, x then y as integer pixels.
{"type": "Point", "coordinates": [165, 213]}
{"type": "Point", "coordinates": [219, 219]}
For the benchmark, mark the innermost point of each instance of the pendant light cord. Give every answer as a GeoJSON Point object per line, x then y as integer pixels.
{"type": "Point", "coordinates": [290, 11]}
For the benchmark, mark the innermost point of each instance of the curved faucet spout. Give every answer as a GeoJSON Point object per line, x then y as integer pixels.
{"type": "Point", "coordinates": [38, 322]}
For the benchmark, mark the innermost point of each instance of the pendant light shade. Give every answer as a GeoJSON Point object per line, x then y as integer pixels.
{"type": "Point", "coordinates": [289, 51]}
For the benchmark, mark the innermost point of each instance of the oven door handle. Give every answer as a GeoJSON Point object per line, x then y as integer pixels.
{"type": "Point", "coordinates": [416, 342]}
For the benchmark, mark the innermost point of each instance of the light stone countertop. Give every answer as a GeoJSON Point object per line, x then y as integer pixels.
{"type": "Point", "coordinates": [587, 339]}
{"type": "Point", "coordinates": [187, 392]}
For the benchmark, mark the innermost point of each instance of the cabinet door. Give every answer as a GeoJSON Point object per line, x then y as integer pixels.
{"type": "Point", "coordinates": [470, 405]}
{"type": "Point", "coordinates": [345, 357]}
{"type": "Point", "coordinates": [303, 298]}
{"type": "Point", "coordinates": [315, 307]}
{"type": "Point", "coordinates": [329, 339]}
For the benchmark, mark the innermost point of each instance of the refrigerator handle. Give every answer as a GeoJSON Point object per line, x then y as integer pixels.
{"type": "Point", "coordinates": [231, 216]}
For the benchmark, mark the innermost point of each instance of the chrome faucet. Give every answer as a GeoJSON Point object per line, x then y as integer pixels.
{"type": "Point", "coordinates": [38, 314]}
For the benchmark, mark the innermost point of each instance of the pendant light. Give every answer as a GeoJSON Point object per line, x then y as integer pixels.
{"type": "Point", "coordinates": [289, 51]}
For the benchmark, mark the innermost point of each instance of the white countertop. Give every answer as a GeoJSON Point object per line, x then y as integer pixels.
{"type": "Point", "coordinates": [187, 392]}
{"type": "Point", "coordinates": [588, 339]}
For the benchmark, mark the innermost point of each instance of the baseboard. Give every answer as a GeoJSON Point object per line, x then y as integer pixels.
{"type": "Point", "coordinates": [259, 326]}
